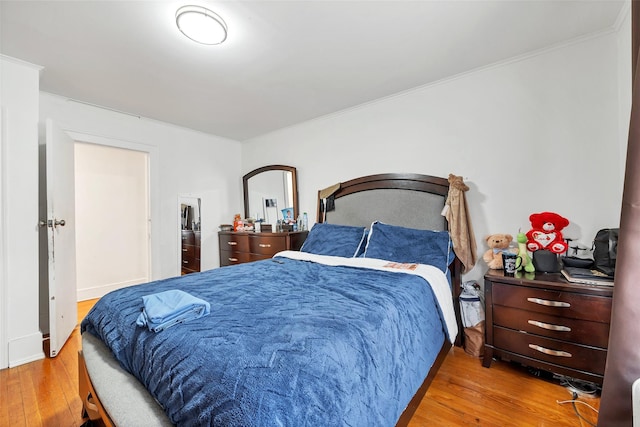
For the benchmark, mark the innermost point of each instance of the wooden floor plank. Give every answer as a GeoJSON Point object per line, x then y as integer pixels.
{"type": "Point", "coordinates": [29, 395]}
{"type": "Point", "coordinates": [14, 399]}
{"type": "Point", "coordinates": [4, 392]}
{"type": "Point", "coordinates": [463, 393]}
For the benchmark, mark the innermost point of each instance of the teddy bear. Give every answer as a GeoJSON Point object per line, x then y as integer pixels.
{"type": "Point", "coordinates": [497, 243]}
{"type": "Point", "coordinates": [546, 232]}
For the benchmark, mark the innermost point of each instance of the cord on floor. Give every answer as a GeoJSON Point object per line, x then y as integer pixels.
{"type": "Point", "coordinates": [575, 408]}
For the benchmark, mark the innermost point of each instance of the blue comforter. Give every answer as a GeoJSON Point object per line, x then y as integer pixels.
{"type": "Point", "coordinates": [287, 343]}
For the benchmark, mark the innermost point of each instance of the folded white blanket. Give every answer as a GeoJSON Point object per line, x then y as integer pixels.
{"type": "Point", "coordinates": [165, 309]}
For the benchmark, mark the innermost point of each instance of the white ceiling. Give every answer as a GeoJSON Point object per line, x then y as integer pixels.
{"type": "Point", "coordinates": [284, 62]}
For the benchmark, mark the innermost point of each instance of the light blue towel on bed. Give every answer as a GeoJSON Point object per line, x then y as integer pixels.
{"type": "Point", "coordinates": [165, 309]}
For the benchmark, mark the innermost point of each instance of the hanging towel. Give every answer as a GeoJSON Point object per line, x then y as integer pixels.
{"type": "Point", "coordinates": [460, 229]}
{"type": "Point", "coordinates": [165, 309]}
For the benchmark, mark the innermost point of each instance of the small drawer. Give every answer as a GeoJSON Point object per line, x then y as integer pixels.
{"type": "Point", "coordinates": [549, 350]}
{"type": "Point", "coordinates": [267, 245]}
{"type": "Point", "coordinates": [555, 303]}
{"type": "Point", "coordinates": [563, 328]}
{"type": "Point", "coordinates": [234, 242]}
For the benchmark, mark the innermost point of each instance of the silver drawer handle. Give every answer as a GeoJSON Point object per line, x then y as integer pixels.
{"type": "Point", "coordinates": [549, 326]}
{"type": "Point", "coordinates": [185, 262]}
{"type": "Point", "coordinates": [550, 352]}
{"type": "Point", "coordinates": [549, 303]}
{"type": "Point", "coordinates": [232, 243]}
{"type": "Point", "coordinates": [264, 245]}
{"type": "Point", "coordinates": [233, 259]}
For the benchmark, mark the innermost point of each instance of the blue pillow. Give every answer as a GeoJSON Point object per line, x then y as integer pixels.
{"type": "Point", "coordinates": [408, 245]}
{"type": "Point", "coordinates": [332, 239]}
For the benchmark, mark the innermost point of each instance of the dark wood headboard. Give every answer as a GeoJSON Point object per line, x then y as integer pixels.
{"type": "Point", "coordinates": [408, 200]}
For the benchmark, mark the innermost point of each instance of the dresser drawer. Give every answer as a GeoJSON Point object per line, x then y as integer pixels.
{"type": "Point", "coordinates": [563, 328]}
{"type": "Point", "coordinates": [563, 304]}
{"type": "Point", "coordinates": [267, 245]}
{"type": "Point", "coordinates": [233, 257]}
{"type": "Point", "coordinates": [259, 257]}
{"type": "Point", "coordinates": [566, 354]}
{"type": "Point", "coordinates": [191, 263]}
{"type": "Point", "coordinates": [188, 238]}
{"type": "Point", "coordinates": [188, 251]}
{"type": "Point", "coordinates": [234, 242]}
{"type": "Point", "coordinates": [241, 247]}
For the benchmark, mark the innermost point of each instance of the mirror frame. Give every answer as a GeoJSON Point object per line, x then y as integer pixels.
{"type": "Point", "coordinates": [294, 186]}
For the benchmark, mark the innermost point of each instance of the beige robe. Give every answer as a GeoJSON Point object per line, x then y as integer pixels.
{"type": "Point", "coordinates": [460, 229]}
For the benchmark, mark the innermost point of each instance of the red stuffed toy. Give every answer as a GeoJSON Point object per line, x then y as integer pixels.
{"type": "Point", "coordinates": [546, 232]}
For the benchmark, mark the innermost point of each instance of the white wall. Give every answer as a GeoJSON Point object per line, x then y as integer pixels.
{"type": "Point", "coordinates": [20, 337]}
{"type": "Point", "coordinates": [536, 133]}
{"type": "Point", "coordinates": [183, 162]}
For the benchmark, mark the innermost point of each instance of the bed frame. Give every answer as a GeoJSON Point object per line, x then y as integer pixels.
{"type": "Point", "coordinates": [410, 200]}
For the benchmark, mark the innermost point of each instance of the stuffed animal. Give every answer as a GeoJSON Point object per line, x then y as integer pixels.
{"type": "Point", "coordinates": [524, 260]}
{"type": "Point", "coordinates": [497, 243]}
{"type": "Point", "coordinates": [546, 232]}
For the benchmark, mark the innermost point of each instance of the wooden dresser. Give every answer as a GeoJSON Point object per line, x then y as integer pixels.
{"type": "Point", "coordinates": [190, 251]}
{"type": "Point", "coordinates": [547, 323]}
{"type": "Point", "coordinates": [241, 247]}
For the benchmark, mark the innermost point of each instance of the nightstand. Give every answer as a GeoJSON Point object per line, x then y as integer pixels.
{"type": "Point", "coordinates": [542, 321]}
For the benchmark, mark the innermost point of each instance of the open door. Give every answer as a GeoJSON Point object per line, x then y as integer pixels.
{"type": "Point", "coordinates": [61, 239]}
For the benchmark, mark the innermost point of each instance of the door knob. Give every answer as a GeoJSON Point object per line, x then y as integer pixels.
{"type": "Point", "coordinates": [52, 224]}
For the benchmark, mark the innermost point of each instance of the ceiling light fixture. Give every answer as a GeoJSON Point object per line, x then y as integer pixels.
{"type": "Point", "coordinates": [201, 25]}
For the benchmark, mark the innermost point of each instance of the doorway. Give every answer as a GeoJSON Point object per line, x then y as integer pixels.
{"type": "Point", "coordinates": [112, 218]}
{"type": "Point", "coordinates": [112, 177]}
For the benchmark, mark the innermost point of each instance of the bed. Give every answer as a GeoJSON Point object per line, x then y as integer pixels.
{"type": "Point", "coordinates": [348, 331]}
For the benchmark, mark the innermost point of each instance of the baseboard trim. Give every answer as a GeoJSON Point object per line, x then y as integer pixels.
{"type": "Point", "coordinates": [102, 290]}
{"type": "Point", "coordinates": [25, 349]}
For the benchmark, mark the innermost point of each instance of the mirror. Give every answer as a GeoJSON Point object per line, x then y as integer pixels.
{"type": "Point", "coordinates": [268, 191]}
{"type": "Point", "coordinates": [189, 234]}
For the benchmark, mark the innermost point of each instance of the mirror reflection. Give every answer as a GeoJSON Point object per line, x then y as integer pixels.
{"type": "Point", "coordinates": [189, 234]}
{"type": "Point", "coordinates": [270, 193]}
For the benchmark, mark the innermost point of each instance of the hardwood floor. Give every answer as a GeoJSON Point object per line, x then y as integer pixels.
{"type": "Point", "coordinates": [464, 393]}
{"type": "Point", "coordinates": [45, 393]}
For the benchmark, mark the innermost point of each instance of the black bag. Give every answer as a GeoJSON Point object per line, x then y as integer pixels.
{"type": "Point", "coordinates": [605, 250]}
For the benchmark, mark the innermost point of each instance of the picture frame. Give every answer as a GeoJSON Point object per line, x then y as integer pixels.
{"type": "Point", "coordinates": [287, 215]}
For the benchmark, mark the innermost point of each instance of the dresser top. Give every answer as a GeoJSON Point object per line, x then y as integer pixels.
{"type": "Point", "coordinates": [261, 233]}
{"type": "Point", "coordinates": [554, 281]}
